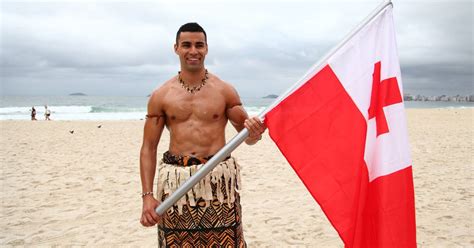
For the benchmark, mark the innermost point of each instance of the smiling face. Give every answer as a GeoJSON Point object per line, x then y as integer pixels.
{"type": "Point", "coordinates": [191, 47]}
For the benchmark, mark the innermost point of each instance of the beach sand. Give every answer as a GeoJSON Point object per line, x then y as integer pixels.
{"type": "Point", "coordinates": [65, 189]}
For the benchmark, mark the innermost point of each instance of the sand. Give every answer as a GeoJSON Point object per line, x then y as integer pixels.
{"type": "Point", "coordinates": [65, 189]}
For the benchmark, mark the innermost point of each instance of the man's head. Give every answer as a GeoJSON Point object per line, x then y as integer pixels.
{"type": "Point", "coordinates": [190, 27]}
{"type": "Point", "coordinates": [191, 47]}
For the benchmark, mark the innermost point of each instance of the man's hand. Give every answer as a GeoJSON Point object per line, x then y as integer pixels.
{"type": "Point", "coordinates": [256, 127]}
{"type": "Point", "coordinates": [149, 216]}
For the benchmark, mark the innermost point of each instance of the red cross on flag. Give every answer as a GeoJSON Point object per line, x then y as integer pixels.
{"type": "Point", "coordinates": [344, 132]}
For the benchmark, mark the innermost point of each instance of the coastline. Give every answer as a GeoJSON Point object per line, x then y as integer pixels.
{"type": "Point", "coordinates": [118, 108]}
{"type": "Point", "coordinates": [83, 188]}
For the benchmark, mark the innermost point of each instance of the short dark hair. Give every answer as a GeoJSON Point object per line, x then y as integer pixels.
{"type": "Point", "coordinates": [191, 27]}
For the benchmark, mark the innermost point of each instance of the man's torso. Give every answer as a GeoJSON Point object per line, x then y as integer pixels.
{"type": "Point", "coordinates": [196, 121]}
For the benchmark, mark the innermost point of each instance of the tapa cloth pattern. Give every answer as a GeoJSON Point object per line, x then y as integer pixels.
{"type": "Point", "coordinates": [209, 215]}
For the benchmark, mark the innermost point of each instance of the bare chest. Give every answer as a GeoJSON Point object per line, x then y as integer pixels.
{"type": "Point", "coordinates": [201, 106]}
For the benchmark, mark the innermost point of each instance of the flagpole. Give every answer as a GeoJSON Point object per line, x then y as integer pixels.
{"type": "Point", "coordinates": [242, 135]}
{"type": "Point", "coordinates": [193, 180]}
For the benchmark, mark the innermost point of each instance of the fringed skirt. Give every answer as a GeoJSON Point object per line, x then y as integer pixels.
{"type": "Point", "coordinates": [209, 215]}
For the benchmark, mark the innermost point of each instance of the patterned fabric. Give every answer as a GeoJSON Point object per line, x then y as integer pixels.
{"type": "Point", "coordinates": [170, 158]}
{"type": "Point", "coordinates": [212, 219]}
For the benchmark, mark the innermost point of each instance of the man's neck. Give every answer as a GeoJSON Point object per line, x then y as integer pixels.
{"type": "Point", "coordinates": [193, 78]}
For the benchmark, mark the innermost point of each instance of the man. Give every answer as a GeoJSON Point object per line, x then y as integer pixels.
{"type": "Point", "coordinates": [47, 113]}
{"type": "Point", "coordinates": [33, 113]}
{"type": "Point", "coordinates": [195, 106]}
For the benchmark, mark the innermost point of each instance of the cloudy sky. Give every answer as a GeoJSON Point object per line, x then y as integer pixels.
{"type": "Point", "coordinates": [261, 47]}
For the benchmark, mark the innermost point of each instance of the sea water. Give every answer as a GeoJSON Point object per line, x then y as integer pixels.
{"type": "Point", "coordinates": [92, 107]}
{"type": "Point", "coordinates": [127, 108]}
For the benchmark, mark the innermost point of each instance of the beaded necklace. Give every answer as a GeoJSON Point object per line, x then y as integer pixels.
{"type": "Point", "coordinates": [194, 89]}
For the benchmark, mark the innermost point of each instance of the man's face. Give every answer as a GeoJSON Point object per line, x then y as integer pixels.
{"type": "Point", "coordinates": [191, 49]}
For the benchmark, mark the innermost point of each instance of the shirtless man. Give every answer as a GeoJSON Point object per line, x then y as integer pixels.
{"type": "Point", "coordinates": [194, 106]}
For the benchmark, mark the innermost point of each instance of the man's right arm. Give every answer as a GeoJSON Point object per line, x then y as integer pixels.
{"type": "Point", "coordinates": [153, 129]}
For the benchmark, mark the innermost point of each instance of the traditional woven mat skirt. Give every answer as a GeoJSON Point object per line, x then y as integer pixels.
{"type": "Point", "coordinates": [209, 215]}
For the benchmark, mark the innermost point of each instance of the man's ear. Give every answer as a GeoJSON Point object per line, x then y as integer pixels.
{"type": "Point", "coordinates": [175, 48]}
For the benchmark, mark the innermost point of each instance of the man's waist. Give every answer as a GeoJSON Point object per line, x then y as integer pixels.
{"type": "Point", "coordinates": [185, 160]}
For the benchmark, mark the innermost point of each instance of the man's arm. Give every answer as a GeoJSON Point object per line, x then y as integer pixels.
{"type": "Point", "coordinates": [153, 129]}
{"type": "Point", "coordinates": [240, 119]}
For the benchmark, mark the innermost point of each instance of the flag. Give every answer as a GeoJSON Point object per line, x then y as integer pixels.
{"type": "Point", "coordinates": [344, 132]}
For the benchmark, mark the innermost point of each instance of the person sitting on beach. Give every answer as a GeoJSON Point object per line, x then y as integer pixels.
{"type": "Point", "coordinates": [195, 106]}
{"type": "Point", "coordinates": [33, 113]}
{"type": "Point", "coordinates": [47, 113]}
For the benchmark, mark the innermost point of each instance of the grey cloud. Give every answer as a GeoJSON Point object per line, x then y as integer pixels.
{"type": "Point", "coordinates": [436, 79]}
{"type": "Point", "coordinates": [126, 48]}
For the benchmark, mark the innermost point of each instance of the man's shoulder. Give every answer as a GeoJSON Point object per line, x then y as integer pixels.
{"type": "Point", "coordinates": [163, 89]}
{"type": "Point", "coordinates": [157, 99]}
{"type": "Point", "coordinates": [224, 86]}
{"type": "Point", "coordinates": [230, 94]}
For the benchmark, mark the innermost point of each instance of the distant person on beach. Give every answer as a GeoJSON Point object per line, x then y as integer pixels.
{"type": "Point", "coordinates": [33, 113]}
{"type": "Point", "coordinates": [194, 106]}
{"type": "Point", "coordinates": [47, 113]}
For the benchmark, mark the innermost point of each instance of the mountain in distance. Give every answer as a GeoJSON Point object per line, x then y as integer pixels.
{"type": "Point", "coordinates": [270, 96]}
{"type": "Point", "coordinates": [77, 94]}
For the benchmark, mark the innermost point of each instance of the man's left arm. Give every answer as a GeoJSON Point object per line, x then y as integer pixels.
{"type": "Point", "coordinates": [239, 118]}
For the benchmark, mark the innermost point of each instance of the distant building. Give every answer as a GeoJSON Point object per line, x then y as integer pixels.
{"type": "Point", "coordinates": [443, 98]}
{"type": "Point", "coordinates": [407, 97]}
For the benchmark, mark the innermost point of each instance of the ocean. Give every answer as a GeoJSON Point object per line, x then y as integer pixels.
{"type": "Point", "coordinates": [127, 108]}
{"type": "Point", "coordinates": [91, 107]}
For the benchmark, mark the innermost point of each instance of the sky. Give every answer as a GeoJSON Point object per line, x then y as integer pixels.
{"type": "Point", "coordinates": [261, 47]}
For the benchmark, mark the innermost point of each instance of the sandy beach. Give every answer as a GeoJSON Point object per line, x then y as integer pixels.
{"type": "Point", "coordinates": [65, 189]}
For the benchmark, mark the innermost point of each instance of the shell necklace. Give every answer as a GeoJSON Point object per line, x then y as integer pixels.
{"type": "Point", "coordinates": [193, 89]}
